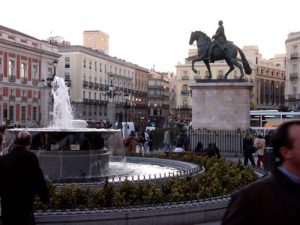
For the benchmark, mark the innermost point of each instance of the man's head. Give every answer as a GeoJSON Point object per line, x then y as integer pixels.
{"type": "Point", "coordinates": [23, 138]}
{"type": "Point", "coordinates": [286, 143]}
{"type": "Point", "coordinates": [220, 22]}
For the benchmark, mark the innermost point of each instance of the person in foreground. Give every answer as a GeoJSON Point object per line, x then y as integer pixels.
{"type": "Point", "coordinates": [273, 200]}
{"type": "Point", "coordinates": [21, 179]}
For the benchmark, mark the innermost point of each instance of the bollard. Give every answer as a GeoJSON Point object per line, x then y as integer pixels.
{"type": "Point", "coordinates": [269, 158]}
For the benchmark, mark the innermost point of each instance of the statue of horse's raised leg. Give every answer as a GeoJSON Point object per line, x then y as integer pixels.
{"type": "Point", "coordinates": [206, 62]}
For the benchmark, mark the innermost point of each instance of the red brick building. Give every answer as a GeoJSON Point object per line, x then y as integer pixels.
{"type": "Point", "coordinates": [24, 63]}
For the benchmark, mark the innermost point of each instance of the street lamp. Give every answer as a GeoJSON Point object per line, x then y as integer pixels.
{"type": "Point", "coordinates": [50, 78]}
{"type": "Point", "coordinates": [126, 106]}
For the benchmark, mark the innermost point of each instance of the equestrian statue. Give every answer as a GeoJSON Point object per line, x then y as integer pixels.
{"type": "Point", "coordinates": [218, 49]}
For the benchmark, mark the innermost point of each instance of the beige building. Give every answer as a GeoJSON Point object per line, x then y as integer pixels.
{"type": "Point", "coordinates": [292, 91]}
{"type": "Point", "coordinates": [267, 75]}
{"type": "Point", "coordinates": [158, 98]}
{"type": "Point", "coordinates": [102, 86]}
{"type": "Point", "coordinates": [96, 40]}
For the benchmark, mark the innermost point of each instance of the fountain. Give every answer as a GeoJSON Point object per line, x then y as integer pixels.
{"type": "Point", "coordinates": [63, 149]}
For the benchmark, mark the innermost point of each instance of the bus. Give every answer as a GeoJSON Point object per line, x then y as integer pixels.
{"type": "Point", "coordinates": [266, 120]}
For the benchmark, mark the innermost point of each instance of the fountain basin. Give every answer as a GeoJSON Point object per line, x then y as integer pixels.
{"type": "Point", "coordinates": [76, 152]}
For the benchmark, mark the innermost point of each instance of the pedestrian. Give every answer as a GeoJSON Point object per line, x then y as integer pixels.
{"type": "Point", "coordinates": [216, 150]}
{"type": "Point", "coordinates": [248, 149]}
{"type": "Point", "coordinates": [21, 179]}
{"type": "Point", "coordinates": [150, 141]}
{"type": "Point", "coordinates": [259, 144]}
{"type": "Point", "coordinates": [142, 142]}
{"type": "Point", "coordinates": [167, 141]}
{"type": "Point", "coordinates": [199, 147]}
{"type": "Point", "coordinates": [274, 199]}
{"type": "Point", "coordinates": [183, 139]}
{"type": "Point", "coordinates": [210, 152]}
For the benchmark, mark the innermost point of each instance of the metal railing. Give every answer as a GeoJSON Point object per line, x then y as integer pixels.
{"type": "Point", "coordinates": [229, 142]}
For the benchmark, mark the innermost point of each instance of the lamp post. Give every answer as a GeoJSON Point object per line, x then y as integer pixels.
{"type": "Point", "coordinates": [111, 107]}
{"type": "Point", "coordinates": [126, 106]}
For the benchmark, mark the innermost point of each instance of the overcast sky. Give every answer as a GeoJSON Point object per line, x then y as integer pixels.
{"type": "Point", "coordinates": [156, 32]}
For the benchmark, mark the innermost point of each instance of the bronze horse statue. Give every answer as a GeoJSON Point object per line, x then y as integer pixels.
{"type": "Point", "coordinates": [230, 56]}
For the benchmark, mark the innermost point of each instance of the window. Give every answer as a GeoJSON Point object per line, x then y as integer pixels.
{"type": "Point", "coordinates": [84, 63]}
{"type": "Point", "coordinates": [294, 89]}
{"type": "Point", "coordinates": [95, 66]}
{"type": "Point", "coordinates": [100, 66]}
{"type": "Point", "coordinates": [295, 68]}
{"type": "Point", "coordinates": [11, 68]}
{"type": "Point", "coordinates": [67, 76]}
{"type": "Point", "coordinates": [295, 49]}
{"type": "Point", "coordinates": [34, 71]}
{"type": "Point", "coordinates": [23, 70]}
{"type": "Point", "coordinates": [34, 113]}
{"type": "Point", "coordinates": [67, 62]}
{"type": "Point", "coordinates": [11, 113]}
{"type": "Point", "coordinates": [23, 114]}
{"type": "Point", "coordinates": [90, 65]}
{"type": "Point", "coordinates": [83, 94]}
{"type": "Point", "coordinates": [0, 65]}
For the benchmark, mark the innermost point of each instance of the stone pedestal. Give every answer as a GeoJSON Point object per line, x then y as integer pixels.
{"type": "Point", "coordinates": [221, 105]}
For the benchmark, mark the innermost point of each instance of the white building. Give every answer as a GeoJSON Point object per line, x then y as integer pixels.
{"type": "Point", "coordinates": [292, 91]}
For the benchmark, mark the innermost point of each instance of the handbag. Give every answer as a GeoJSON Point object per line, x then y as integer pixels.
{"type": "Point", "coordinates": [253, 149]}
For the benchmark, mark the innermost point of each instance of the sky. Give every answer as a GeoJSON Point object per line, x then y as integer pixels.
{"type": "Point", "coordinates": [155, 33]}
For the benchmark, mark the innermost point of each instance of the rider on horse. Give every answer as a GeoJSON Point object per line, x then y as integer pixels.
{"type": "Point", "coordinates": [219, 40]}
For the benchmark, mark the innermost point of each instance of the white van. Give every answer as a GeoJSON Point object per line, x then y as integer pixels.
{"type": "Point", "coordinates": [79, 124]}
{"type": "Point", "coordinates": [127, 127]}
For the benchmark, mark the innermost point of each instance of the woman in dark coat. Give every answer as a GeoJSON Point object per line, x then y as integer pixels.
{"type": "Point", "coordinates": [247, 148]}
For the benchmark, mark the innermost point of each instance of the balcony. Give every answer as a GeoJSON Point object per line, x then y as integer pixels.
{"type": "Point", "coordinates": [35, 81]}
{"type": "Point", "coordinates": [36, 100]}
{"type": "Point", "coordinates": [12, 98]}
{"type": "Point", "coordinates": [23, 99]}
{"type": "Point", "coordinates": [185, 92]}
{"type": "Point", "coordinates": [185, 77]}
{"type": "Point", "coordinates": [24, 80]}
{"type": "Point", "coordinates": [12, 78]}
{"type": "Point", "coordinates": [96, 86]}
{"type": "Point", "coordinates": [293, 76]}
{"type": "Point", "coordinates": [86, 101]}
{"type": "Point", "coordinates": [294, 56]}
{"type": "Point", "coordinates": [91, 84]}
{"type": "Point", "coordinates": [85, 84]}
{"type": "Point", "coordinates": [292, 97]}
{"type": "Point", "coordinates": [184, 106]}
{"type": "Point", "coordinates": [68, 82]}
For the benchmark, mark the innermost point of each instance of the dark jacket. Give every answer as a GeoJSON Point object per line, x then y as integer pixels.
{"type": "Point", "coordinates": [274, 200]}
{"type": "Point", "coordinates": [21, 179]}
{"type": "Point", "coordinates": [247, 146]}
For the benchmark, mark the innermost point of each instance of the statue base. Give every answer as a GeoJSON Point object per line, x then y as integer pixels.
{"type": "Point", "coordinates": [221, 105]}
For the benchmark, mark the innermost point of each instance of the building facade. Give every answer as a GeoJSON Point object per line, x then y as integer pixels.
{"type": "Point", "coordinates": [96, 40]}
{"type": "Point", "coordinates": [158, 98]}
{"type": "Point", "coordinates": [268, 77]}
{"type": "Point", "coordinates": [292, 91]}
{"type": "Point", "coordinates": [25, 63]}
{"type": "Point", "coordinates": [101, 87]}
